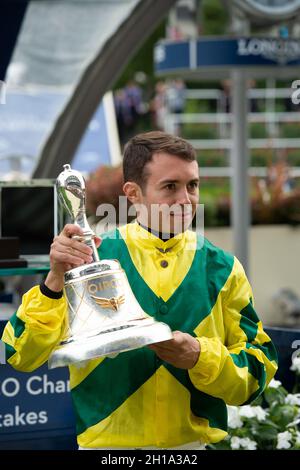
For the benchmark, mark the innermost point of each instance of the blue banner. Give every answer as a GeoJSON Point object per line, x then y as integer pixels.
{"type": "Point", "coordinates": [37, 401]}
{"type": "Point", "coordinates": [170, 56]}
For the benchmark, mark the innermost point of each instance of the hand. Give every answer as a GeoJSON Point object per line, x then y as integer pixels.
{"type": "Point", "coordinates": [182, 351]}
{"type": "Point", "coordinates": [65, 254]}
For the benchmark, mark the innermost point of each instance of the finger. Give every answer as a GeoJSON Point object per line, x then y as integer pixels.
{"type": "Point", "coordinates": [166, 357]}
{"type": "Point", "coordinates": [97, 241]}
{"type": "Point", "coordinates": [70, 251]}
{"type": "Point", "coordinates": [61, 251]}
{"type": "Point", "coordinates": [66, 258]}
{"type": "Point", "coordinates": [166, 343]}
{"type": "Point", "coordinates": [67, 254]}
{"type": "Point", "coordinates": [68, 245]}
{"type": "Point", "coordinates": [178, 339]}
{"type": "Point", "coordinates": [157, 347]}
{"type": "Point", "coordinates": [162, 350]}
{"type": "Point", "coordinates": [71, 229]}
{"type": "Point", "coordinates": [77, 246]}
{"type": "Point", "coordinates": [177, 333]}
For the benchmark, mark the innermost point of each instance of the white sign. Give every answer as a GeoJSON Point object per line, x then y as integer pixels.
{"type": "Point", "coordinates": [278, 50]}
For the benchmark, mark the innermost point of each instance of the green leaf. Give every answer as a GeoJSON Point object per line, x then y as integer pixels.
{"type": "Point", "coordinates": [266, 432]}
{"type": "Point", "coordinates": [223, 445]}
{"type": "Point", "coordinates": [275, 395]}
{"type": "Point", "coordinates": [283, 415]}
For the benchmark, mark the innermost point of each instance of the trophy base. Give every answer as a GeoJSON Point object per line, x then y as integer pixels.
{"type": "Point", "coordinates": [109, 343]}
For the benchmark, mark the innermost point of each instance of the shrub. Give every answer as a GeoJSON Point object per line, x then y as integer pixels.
{"type": "Point", "coordinates": [271, 422]}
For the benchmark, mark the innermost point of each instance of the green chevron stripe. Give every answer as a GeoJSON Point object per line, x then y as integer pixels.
{"type": "Point", "coordinates": [249, 322]}
{"type": "Point", "coordinates": [267, 348]}
{"type": "Point", "coordinates": [18, 325]}
{"type": "Point", "coordinates": [250, 313]}
{"type": "Point", "coordinates": [202, 405]}
{"type": "Point", "coordinates": [9, 351]}
{"type": "Point", "coordinates": [255, 368]}
{"type": "Point", "coordinates": [115, 380]}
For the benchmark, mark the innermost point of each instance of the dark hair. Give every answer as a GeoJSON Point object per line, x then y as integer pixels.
{"type": "Point", "coordinates": [140, 149]}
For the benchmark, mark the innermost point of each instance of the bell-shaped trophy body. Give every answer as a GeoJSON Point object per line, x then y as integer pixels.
{"type": "Point", "coordinates": [104, 317]}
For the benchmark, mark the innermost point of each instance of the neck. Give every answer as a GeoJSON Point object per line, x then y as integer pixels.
{"type": "Point", "coordinates": [161, 235]}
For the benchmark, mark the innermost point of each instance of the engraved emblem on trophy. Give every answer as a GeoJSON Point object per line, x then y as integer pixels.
{"type": "Point", "coordinates": [104, 318]}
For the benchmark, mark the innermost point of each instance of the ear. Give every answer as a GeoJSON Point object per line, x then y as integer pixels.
{"type": "Point", "coordinates": [132, 191]}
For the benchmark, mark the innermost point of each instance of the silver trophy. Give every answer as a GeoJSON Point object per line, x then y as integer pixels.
{"type": "Point", "coordinates": [104, 317]}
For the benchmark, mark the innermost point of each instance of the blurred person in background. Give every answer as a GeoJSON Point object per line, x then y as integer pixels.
{"type": "Point", "coordinates": [175, 101]}
{"type": "Point", "coordinates": [158, 106]}
{"type": "Point", "coordinates": [129, 107]}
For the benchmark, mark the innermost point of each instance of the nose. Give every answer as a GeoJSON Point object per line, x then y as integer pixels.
{"type": "Point", "coordinates": [183, 197]}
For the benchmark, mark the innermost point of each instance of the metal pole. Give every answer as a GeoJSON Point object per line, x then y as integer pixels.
{"type": "Point", "coordinates": [240, 214]}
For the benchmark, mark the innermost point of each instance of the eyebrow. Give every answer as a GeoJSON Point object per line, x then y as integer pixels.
{"type": "Point", "coordinates": [194, 180]}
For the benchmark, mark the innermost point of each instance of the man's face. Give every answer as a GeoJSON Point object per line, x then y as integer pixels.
{"type": "Point", "coordinates": [170, 195]}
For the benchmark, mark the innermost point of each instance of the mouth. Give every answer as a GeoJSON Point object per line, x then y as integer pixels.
{"type": "Point", "coordinates": [183, 216]}
{"type": "Point", "coordinates": [186, 214]}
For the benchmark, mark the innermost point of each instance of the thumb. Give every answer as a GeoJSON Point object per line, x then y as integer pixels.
{"type": "Point", "coordinates": [71, 229]}
{"type": "Point", "coordinates": [97, 241]}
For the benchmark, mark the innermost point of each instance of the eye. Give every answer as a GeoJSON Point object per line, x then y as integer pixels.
{"type": "Point", "coordinates": [193, 185]}
{"type": "Point", "coordinates": [170, 186]}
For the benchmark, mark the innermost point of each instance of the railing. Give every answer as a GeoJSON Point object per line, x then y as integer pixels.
{"type": "Point", "coordinates": [226, 171]}
{"type": "Point", "coordinates": [222, 121]}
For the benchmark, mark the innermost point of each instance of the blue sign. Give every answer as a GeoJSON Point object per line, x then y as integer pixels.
{"type": "Point", "coordinates": [37, 401]}
{"type": "Point", "coordinates": [27, 118]}
{"type": "Point", "coordinates": [226, 52]}
{"type": "Point", "coordinates": [175, 55]}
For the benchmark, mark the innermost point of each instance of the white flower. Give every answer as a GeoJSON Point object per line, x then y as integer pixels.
{"type": "Point", "coordinates": [247, 411]}
{"type": "Point", "coordinates": [235, 442]}
{"type": "Point", "coordinates": [260, 413]}
{"type": "Point", "coordinates": [296, 365]}
{"type": "Point", "coordinates": [294, 423]}
{"type": "Point", "coordinates": [242, 443]}
{"type": "Point", "coordinates": [283, 440]}
{"type": "Point", "coordinates": [253, 412]}
{"type": "Point", "coordinates": [274, 383]}
{"type": "Point", "coordinates": [248, 444]}
{"type": "Point", "coordinates": [291, 399]}
{"type": "Point", "coordinates": [234, 420]}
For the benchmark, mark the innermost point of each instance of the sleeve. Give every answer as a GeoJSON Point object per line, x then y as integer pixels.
{"type": "Point", "coordinates": [238, 369]}
{"type": "Point", "coordinates": [34, 330]}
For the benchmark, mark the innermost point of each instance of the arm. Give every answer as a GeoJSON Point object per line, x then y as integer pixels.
{"type": "Point", "coordinates": [34, 330]}
{"type": "Point", "coordinates": [238, 370]}
{"type": "Point", "coordinates": [40, 322]}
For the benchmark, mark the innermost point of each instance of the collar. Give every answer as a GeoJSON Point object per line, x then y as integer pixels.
{"type": "Point", "coordinates": [147, 240]}
{"type": "Point", "coordinates": [157, 234]}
